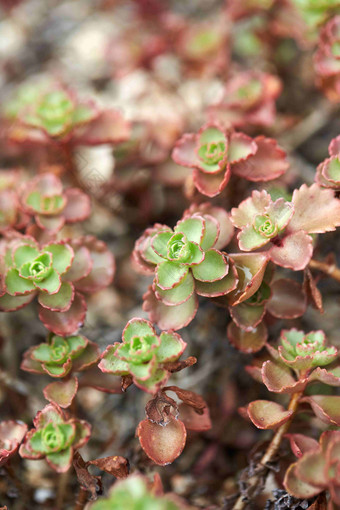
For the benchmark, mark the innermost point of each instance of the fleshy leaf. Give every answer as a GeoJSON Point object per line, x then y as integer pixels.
{"type": "Point", "coordinates": [194, 421]}
{"type": "Point", "coordinates": [301, 444]}
{"type": "Point", "coordinates": [251, 269]}
{"type": "Point", "coordinates": [316, 210]}
{"type": "Point", "coordinates": [59, 302]}
{"type": "Point", "coordinates": [61, 393]}
{"type": "Point", "coordinates": [178, 294]}
{"type": "Point", "coordinates": [162, 444]}
{"type": "Point", "coordinates": [256, 204]}
{"type": "Point", "coordinates": [169, 274]}
{"type": "Point", "coordinates": [137, 328]}
{"type": "Point", "coordinates": [279, 379]}
{"type": "Point", "coordinates": [267, 415]}
{"type": "Point", "coordinates": [214, 267]}
{"type": "Point", "coordinates": [65, 323]}
{"type": "Point", "coordinates": [295, 251]}
{"type": "Point", "coordinates": [288, 301]}
{"type": "Point", "coordinates": [62, 256]}
{"type": "Point", "coordinates": [297, 487]}
{"type": "Point", "coordinates": [171, 348]}
{"type": "Point", "coordinates": [169, 317]}
{"type": "Point", "coordinates": [327, 408]}
{"type": "Point", "coordinates": [247, 341]}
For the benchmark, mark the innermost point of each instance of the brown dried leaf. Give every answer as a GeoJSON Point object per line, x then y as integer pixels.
{"type": "Point", "coordinates": [87, 482]}
{"type": "Point", "coordinates": [161, 409]}
{"type": "Point", "coordinates": [116, 466]}
{"type": "Point", "coordinates": [190, 398]}
{"type": "Point", "coordinates": [176, 366]}
{"type": "Point", "coordinates": [313, 294]}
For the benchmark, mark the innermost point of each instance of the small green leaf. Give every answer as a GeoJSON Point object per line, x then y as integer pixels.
{"type": "Point", "coordinates": [24, 253]}
{"type": "Point", "coordinates": [169, 274]}
{"type": "Point", "coordinates": [62, 256]}
{"type": "Point", "coordinates": [15, 284]}
{"type": "Point", "coordinates": [214, 267]}
{"type": "Point", "coordinates": [137, 328]}
{"type": "Point", "coordinates": [171, 348]}
{"type": "Point", "coordinates": [51, 284]}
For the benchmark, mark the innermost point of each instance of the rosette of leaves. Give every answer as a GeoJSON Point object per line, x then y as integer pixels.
{"type": "Point", "coordinates": [328, 172]}
{"type": "Point", "coordinates": [59, 355]}
{"type": "Point", "coordinates": [58, 274]}
{"type": "Point", "coordinates": [327, 59]}
{"type": "Point", "coordinates": [215, 153]}
{"type": "Point", "coordinates": [317, 468]}
{"type": "Point", "coordinates": [286, 225]}
{"type": "Point", "coordinates": [316, 12]}
{"type": "Point", "coordinates": [51, 206]}
{"type": "Point", "coordinates": [55, 438]}
{"type": "Point", "coordinates": [11, 435]}
{"type": "Point", "coordinates": [135, 493]}
{"type": "Point", "coordinates": [299, 360]}
{"type": "Point", "coordinates": [186, 262]}
{"type": "Point", "coordinates": [248, 98]}
{"type": "Point", "coordinates": [143, 354]}
{"type": "Point", "coordinates": [42, 112]}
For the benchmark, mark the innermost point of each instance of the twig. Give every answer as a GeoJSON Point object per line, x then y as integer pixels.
{"type": "Point", "coordinates": [81, 499]}
{"type": "Point", "coordinates": [270, 453]}
{"type": "Point", "coordinates": [331, 269]}
{"type": "Point", "coordinates": [62, 485]}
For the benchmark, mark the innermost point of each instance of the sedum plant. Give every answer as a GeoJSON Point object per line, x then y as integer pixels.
{"type": "Point", "coordinates": [55, 438]}
{"type": "Point", "coordinates": [327, 59]}
{"type": "Point", "coordinates": [134, 494]}
{"type": "Point", "coordinates": [215, 153]}
{"type": "Point", "coordinates": [143, 355]}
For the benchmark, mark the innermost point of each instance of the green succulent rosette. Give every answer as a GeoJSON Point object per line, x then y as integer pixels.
{"type": "Point", "coordinates": [30, 270]}
{"type": "Point", "coordinates": [185, 262]}
{"type": "Point", "coordinates": [302, 351]}
{"type": "Point", "coordinates": [55, 438]}
{"type": "Point", "coordinates": [59, 355]}
{"type": "Point", "coordinates": [134, 494]}
{"type": "Point", "coordinates": [143, 354]}
{"type": "Point", "coordinates": [53, 110]}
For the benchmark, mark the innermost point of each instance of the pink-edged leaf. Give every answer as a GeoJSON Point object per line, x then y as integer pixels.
{"type": "Point", "coordinates": [59, 302]}
{"type": "Point", "coordinates": [107, 383]}
{"type": "Point", "coordinates": [50, 413]}
{"type": "Point", "coordinates": [162, 444]}
{"type": "Point", "coordinates": [219, 287]}
{"type": "Point", "coordinates": [116, 465]}
{"type": "Point", "coordinates": [301, 444]}
{"type": "Point", "coordinates": [184, 152]}
{"type": "Point", "coordinates": [250, 268]}
{"type": "Point", "coordinates": [256, 204]}
{"type": "Point", "coordinates": [61, 393]}
{"type": "Point", "coordinates": [279, 379]}
{"type": "Point", "coordinates": [326, 408]}
{"type": "Point", "coordinates": [269, 162]}
{"type": "Point", "coordinates": [189, 398]}
{"type": "Point", "coordinates": [11, 435]}
{"type": "Point", "coordinates": [288, 301]}
{"type": "Point", "coordinates": [108, 127]}
{"type": "Point", "coordinates": [211, 184]}
{"type": "Point", "coordinates": [87, 358]}
{"type": "Point", "coordinates": [194, 421]}
{"type": "Point", "coordinates": [169, 317]}
{"type": "Point", "coordinates": [246, 316]}
{"type": "Point", "coordinates": [294, 252]}
{"type": "Point", "coordinates": [103, 266]}
{"type": "Point", "coordinates": [267, 415]}
{"type": "Point", "coordinates": [241, 148]}
{"type": "Point", "coordinates": [316, 210]}
{"type": "Point", "coordinates": [65, 323]}
{"type": "Point", "coordinates": [297, 487]}
{"type": "Point", "coordinates": [11, 303]}
{"type": "Point", "coordinates": [78, 205]}
{"type": "Point", "coordinates": [81, 265]}
{"type": "Point", "coordinates": [312, 468]}
{"type": "Point", "coordinates": [330, 376]}
{"type": "Point", "coordinates": [247, 341]}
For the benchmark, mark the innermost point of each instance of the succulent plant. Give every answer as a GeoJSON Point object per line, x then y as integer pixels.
{"type": "Point", "coordinates": [134, 494]}
{"type": "Point", "coordinates": [59, 355]}
{"type": "Point", "coordinates": [327, 59]}
{"type": "Point", "coordinates": [52, 207]}
{"type": "Point", "coordinates": [317, 469]}
{"type": "Point", "coordinates": [11, 435]}
{"type": "Point", "coordinates": [143, 354]}
{"type": "Point", "coordinates": [55, 438]}
{"type": "Point", "coordinates": [302, 351]}
{"type": "Point", "coordinates": [43, 112]}
{"type": "Point", "coordinates": [186, 262]}
{"type": "Point", "coordinates": [214, 153]}
{"type": "Point", "coordinates": [286, 225]}
{"type": "Point", "coordinates": [248, 98]}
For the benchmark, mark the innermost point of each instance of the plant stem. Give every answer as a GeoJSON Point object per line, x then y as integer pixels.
{"type": "Point", "coordinates": [81, 499]}
{"type": "Point", "coordinates": [270, 453]}
{"type": "Point", "coordinates": [62, 485]}
{"type": "Point", "coordinates": [331, 269]}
